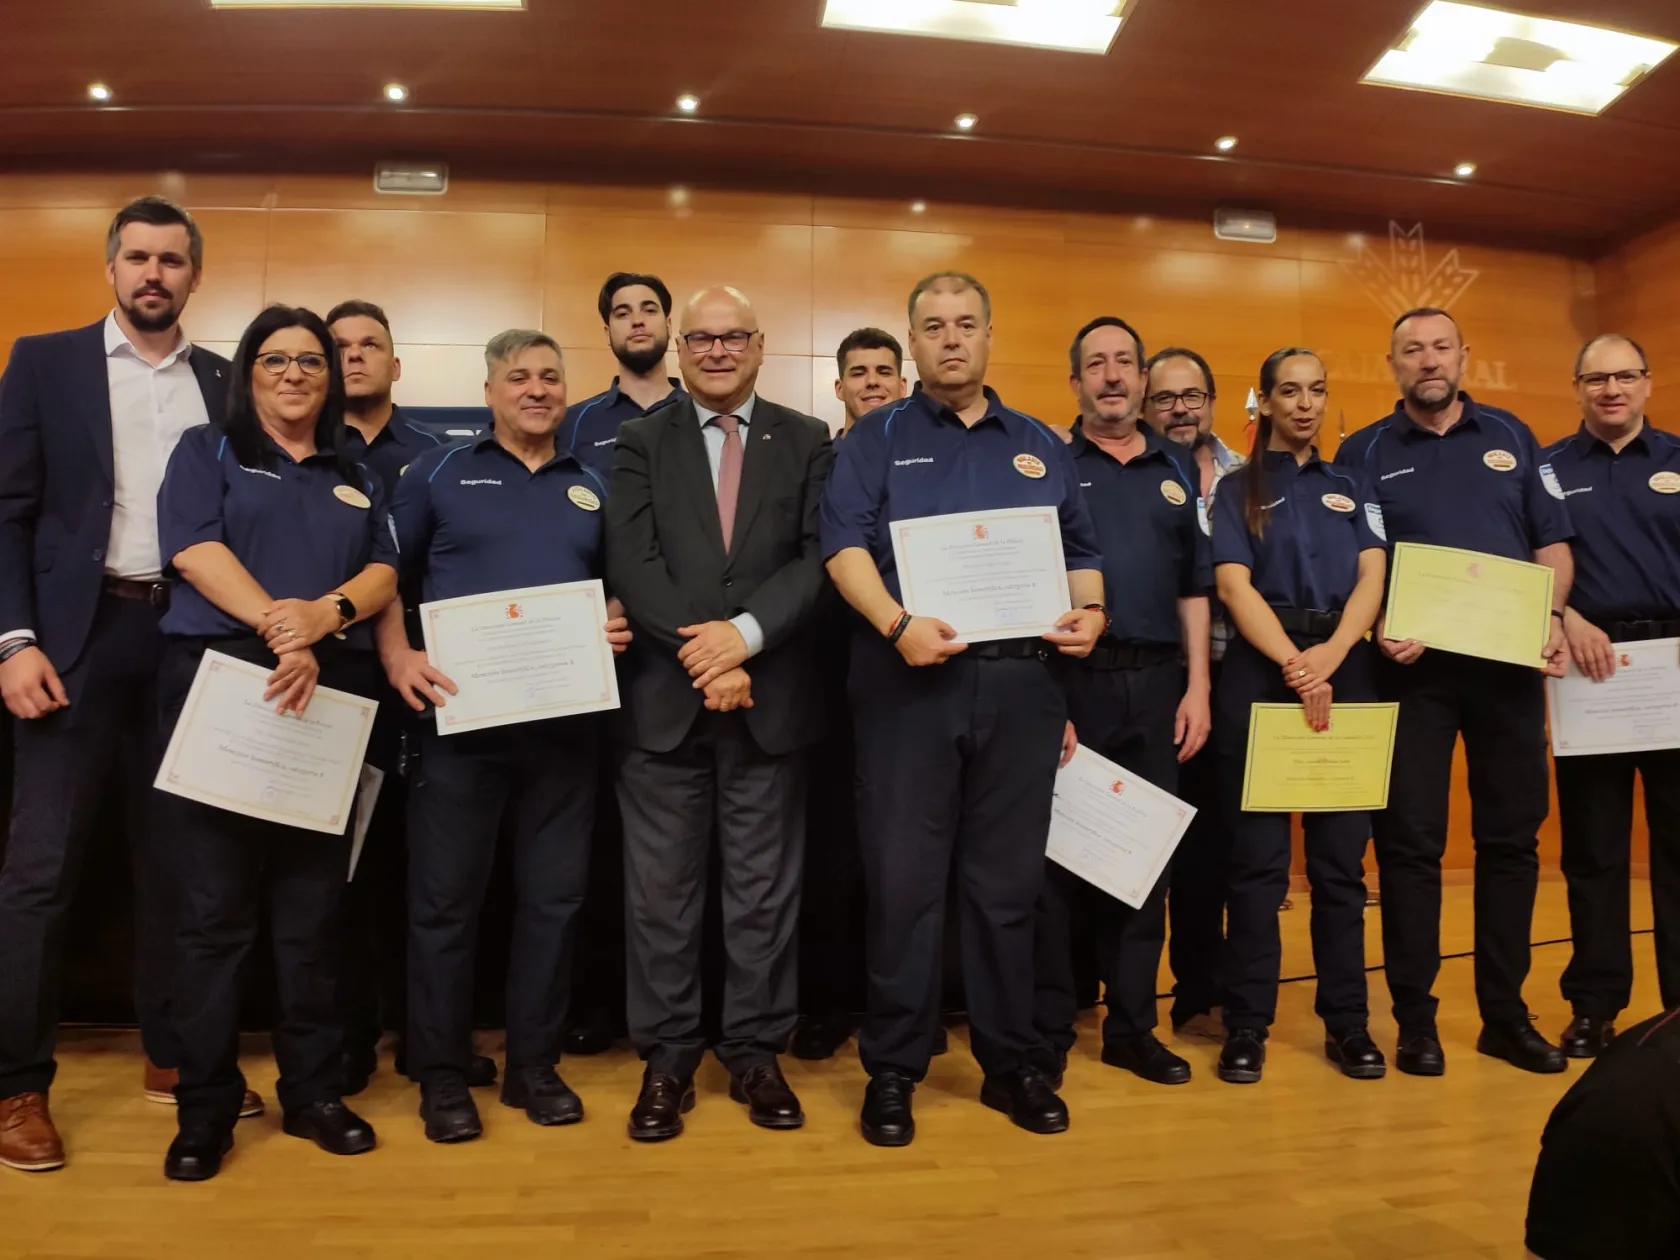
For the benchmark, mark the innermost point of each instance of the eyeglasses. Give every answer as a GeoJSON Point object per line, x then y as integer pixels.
{"type": "Point", "coordinates": [1594, 382]}
{"type": "Point", "coordinates": [276, 364]}
{"type": "Point", "coordinates": [735, 341]}
{"type": "Point", "coordinates": [1193, 400]}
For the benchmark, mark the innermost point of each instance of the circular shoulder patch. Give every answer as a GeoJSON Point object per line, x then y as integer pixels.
{"type": "Point", "coordinates": [1666, 482]}
{"type": "Point", "coordinates": [1173, 493]}
{"type": "Point", "coordinates": [1500, 461]}
{"type": "Point", "coordinates": [585, 498]}
{"type": "Point", "coordinates": [1338, 502]}
{"type": "Point", "coordinates": [1029, 466]}
{"type": "Point", "coordinates": [354, 497]}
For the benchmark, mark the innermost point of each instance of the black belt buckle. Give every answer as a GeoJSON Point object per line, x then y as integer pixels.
{"type": "Point", "coordinates": [158, 595]}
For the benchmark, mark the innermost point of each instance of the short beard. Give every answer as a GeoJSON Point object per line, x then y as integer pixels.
{"type": "Point", "coordinates": [641, 362]}
{"type": "Point", "coordinates": [163, 321]}
{"type": "Point", "coordinates": [1431, 406]}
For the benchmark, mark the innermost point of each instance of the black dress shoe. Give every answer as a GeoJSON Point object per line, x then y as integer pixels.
{"type": "Point", "coordinates": [1357, 1055]}
{"type": "Point", "coordinates": [481, 1069]}
{"type": "Point", "coordinates": [1148, 1058]}
{"type": "Point", "coordinates": [333, 1127]}
{"type": "Point", "coordinates": [771, 1104]}
{"type": "Point", "coordinates": [658, 1113]}
{"type": "Point", "coordinates": [1520, 1046]}
{"type": "Point", "coordinates": [1420, 1054]}
{"type": "Point", "coordinates": [589, 1034]}
{"type": "Point", "coordinates": [1050, 1062]}
{"type": "Point", "coordinates": [448, 1109]}
{"type": "Point", "coordinates": [820, 1037]}
{"type": "Point", "coordinates": [1587, 1035]}
{"type": "Point", "coordinates": [197, 1151]}
{"type": "Point", "coordinates": [542, 1096]}
{"type": "Point", "coordinates": [887, 1118]}
{"type": "Point", "coordinates": [1244, 1057]}
{"type": "Point", "coordinates": [1027, 1099]}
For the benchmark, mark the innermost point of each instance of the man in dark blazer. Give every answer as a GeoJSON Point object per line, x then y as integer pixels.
{"type": "Point", "coordinates": [712, 545]}
{"type": "Point", "coordinates": [88, 419]}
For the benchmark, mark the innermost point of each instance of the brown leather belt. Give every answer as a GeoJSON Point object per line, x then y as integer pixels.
{"type": "Point", "coordinates": [154, 593]}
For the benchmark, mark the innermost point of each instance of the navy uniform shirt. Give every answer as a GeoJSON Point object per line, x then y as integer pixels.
{"type": "Point", "coordinates": [1478, 486]}
{"type": "Point", "coordinates": [1153, 548]}
{"type": "Point", "coordinates": [591, 428]}
{"type": "Point", "coordinates": [393, 449]}
{"type": "Point", "coordinates": [472, 518]}
{"type": "Point", "coordinates": [1626, 512]}
{"type": "Point", "coordinates": [916, 458]}
{"type": "Point", "coordinates": [298, 529]}
{"type": "Point", "coordinates": [1307, 555]}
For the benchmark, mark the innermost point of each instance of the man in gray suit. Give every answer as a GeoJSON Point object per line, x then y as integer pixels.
{"type": "Point", "coordinates": [712, 545]}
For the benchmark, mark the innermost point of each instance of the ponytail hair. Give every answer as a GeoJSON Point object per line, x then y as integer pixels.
{"type": "Point", "coordinates": [1255, 491]}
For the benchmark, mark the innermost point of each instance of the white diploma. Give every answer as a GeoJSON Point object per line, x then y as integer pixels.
{"type": "Point", "coordinates": [1113, 829]}
{"type": "Point", "coordinates": [232, 750]}
{"type": "Point", "coordinates": [521, 656]}
{"type": "Point", "coordinates": [989, 575]}
{"type": "Point", "coordinates": [1635, 710]}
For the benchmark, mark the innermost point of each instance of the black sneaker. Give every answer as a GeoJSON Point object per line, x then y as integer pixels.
{"type": "Point", "coordinates": [447, 1107]}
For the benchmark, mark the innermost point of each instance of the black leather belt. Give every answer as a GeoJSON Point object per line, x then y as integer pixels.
{"type": "Point", "coordinates": [1637, 631]}
{"type": "Point", "coordinates": [1308, 621]}
{"type": "Point", "coordinates": [1111, 654]}
{"type": "Point", "coordinates": [1012, 650]}
{"type": "Point", "coordinates": [154, 593]}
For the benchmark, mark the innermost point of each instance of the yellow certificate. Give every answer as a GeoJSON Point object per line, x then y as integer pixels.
{"type": "Point", "coordinates": [1295, 769]}
{"type": "Point", "coordinates": [1470, 603]}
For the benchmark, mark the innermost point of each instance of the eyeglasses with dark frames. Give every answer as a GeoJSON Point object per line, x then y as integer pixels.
{"type": "Point", "coordinates": [1193, 400]}
{"type": "Point", "coordinates": [735, 341]}
{"type": "Point", "coordinates": [309, 363]}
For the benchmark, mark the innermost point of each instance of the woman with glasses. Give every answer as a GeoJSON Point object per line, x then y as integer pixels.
{"type": "Point", "coordinates": [1299, 560]}
{"type": "Point", "coordinates": [279, 551]}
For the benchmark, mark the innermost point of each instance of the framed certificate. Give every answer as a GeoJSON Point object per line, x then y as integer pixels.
{"type": "Point", "coordinates": [1113, 829]}
{"type": "Point", "coordinates": [1470, 603]}
{"type": "Point", "coordinates": [231, 749]}
{"type": "Point", "coordinates": [1293, 769]}
{"type": "Point", "coordinates": [988, 575]}
{"type": "Point", "coordinates": [521, 656]}
{"type": "Point", "coordinates": [1636, 709]}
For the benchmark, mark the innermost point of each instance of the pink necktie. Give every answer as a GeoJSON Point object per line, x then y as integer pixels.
{"type": "Point", "coordinates": [729, 475]}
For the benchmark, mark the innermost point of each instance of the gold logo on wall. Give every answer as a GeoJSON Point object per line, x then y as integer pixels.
{"type": "Point", "coordinates": [1405, 280]}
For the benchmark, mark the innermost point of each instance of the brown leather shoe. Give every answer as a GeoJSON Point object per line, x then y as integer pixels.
{"type": "Point", "coordinates": [160, 1088]}
{"type": "Point", "coordinates": [28, 1140]}
{"type": "Point", "coordinates": [658, 1113]}
{"type": "Point", "coordinates": [771, 1104]}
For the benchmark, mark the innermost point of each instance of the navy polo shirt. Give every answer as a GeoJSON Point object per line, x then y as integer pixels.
{"type": "Point", "coordinates": [591, 429]}
{"type": "Point", "coordinates": [1477, 486]}
{"type": "Point", "coordinates": [285, 522]}
{"type": "Point", "coordinates": [1153, 548]}
{"type": "Point", "coordinates": [471, 518]}
{"type": "Point", "coordinates": [1626, 512]}
{"type": "Point", "coordinates": [1307, 555]}
{"type": "Point", "coordinates": [393, 449]}
{"type": "Point", "coordinates": [917, 458]}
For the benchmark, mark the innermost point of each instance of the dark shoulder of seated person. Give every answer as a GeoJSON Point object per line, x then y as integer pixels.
{"type": "Point", "coordinates": [1607, 1186]}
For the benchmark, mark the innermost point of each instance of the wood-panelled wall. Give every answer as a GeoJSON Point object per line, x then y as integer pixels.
{"type": "Point", "coordinates": [453, 270]}
{"type": "Point", "coordinates": [1639, 295]}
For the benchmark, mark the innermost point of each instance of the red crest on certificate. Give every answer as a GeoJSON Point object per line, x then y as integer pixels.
{"type": "Point", "coordinates": [1117, 787]}
{"type": "Point", "coordinates": [514, 612]}
{"type": "Point", "coordinates": [981, 533]}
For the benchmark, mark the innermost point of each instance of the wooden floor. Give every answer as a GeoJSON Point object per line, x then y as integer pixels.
{"type": "Point", "coordinates": [1305, 1165]}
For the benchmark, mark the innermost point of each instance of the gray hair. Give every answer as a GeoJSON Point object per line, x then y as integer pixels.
{"type": "Point", "coordinates": [156, 212]}
{"type": "Point", "coordinates": [951, 282]}
{"type": "Point", "coordinates": [514, 342]}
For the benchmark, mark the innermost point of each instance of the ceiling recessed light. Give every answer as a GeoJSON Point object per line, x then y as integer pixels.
{"type": "Point", "coordinates": [688, 102]}
{"type": "Point", "coordinates": [1087, 26]}
{"type": "Point", "coordinates": [396, 93]}
{"type": "Point", "coordinates": [965, 122]}
{"type": "Point", "coordinates": [1464, 170]}
{"type": "Point", "coordinates": [98, 92]}
{"type": "Point", "coordinates": [1225, 143]}
{"type": "Point", "coordinates": [511, 5]}
{"type": "Point", "coordinates": [918, 207]}
{"type": "Point", "coordinates": [1468, 50]}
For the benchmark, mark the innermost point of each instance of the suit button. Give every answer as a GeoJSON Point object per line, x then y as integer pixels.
{"type": "Point", "coordinates": [106, 503]}
{"type": "Point", "coordinates": [728, 582]}
{"type": "Point", "coordinates": [99, 553]}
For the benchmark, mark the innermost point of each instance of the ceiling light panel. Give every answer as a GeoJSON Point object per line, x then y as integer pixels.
{"type": "Point", "coordinates": [1467, 50]}
{"type": "Point", "coordinates": [1087, 26]}
{"type": "Point", "coordinates": [515, 5]}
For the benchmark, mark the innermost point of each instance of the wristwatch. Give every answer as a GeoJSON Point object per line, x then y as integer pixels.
{"type": "Point", "coordinates": [1107, 620]}
{"type": "Point", "coordinates": [346, 609]}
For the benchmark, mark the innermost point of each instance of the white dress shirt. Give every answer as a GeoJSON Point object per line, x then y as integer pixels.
{"type": "Point", "coordinates": [746, 623]}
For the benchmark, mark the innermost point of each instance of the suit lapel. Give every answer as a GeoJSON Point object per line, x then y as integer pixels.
{"type": "Point", "coordinates": [756, 459]}
{"type": "Point", "coordinates": [696, 471]}
{"type": "Point", "coordinates": [93, 384]}
{"type": "Point", "coordinates": [212, 383]}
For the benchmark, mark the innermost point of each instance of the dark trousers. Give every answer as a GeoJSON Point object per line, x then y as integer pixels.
{"type": "Point", "coordinates": [956, 762]}
{"type": "Point", "coordinates": [832, 908]}
{"type": "Point", "coordinates": [1196, 901]}
{"type": "Point", "coordinates": [1257, 874]}
{"type": "Point", "coordinates": [718, 776]}
{"type": "Point", "coordinates": [232, 869]}
{"type": "Point", "coordinates": [373, 974]}
{"type": "Point", "coordinates": [1126, 715]}
{"type": "Point", "coordinates": [533, 786]}
{"type": "Point", "coordinates": [1500, 710]}
{"type": "Point", "coordinates": [1595, 808]}
{"type": "Point", "coordinates": [64, 766]}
